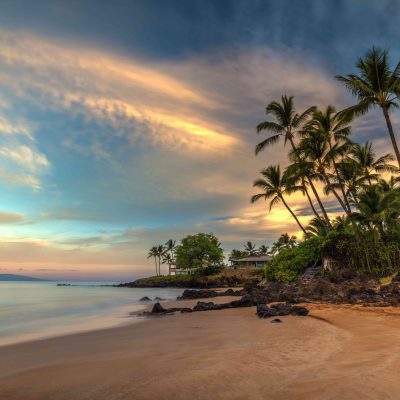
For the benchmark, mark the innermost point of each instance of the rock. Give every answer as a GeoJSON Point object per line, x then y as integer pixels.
{"type": "Point", "coordinates": [190, 294]}
{"type": "Point", "coordinates": [276, 321]}
{"type": "Point", "coordinates": [145, 298]}
{"type": "Point", "coordinates": [280, 309]}
{"type": "Point", "coordinates": [158, 308]}
{"type": "Point", "coordinates": [205, 306]}
{"type": "Point", "coordinates": [158, 298]}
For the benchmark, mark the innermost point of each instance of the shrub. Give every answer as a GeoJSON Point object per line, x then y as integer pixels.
{"type": "Point", "coordinates": [210, 270]}
{"type": "Point", "coordinates": [365, 253]}
{"type": "Point", "coordinates": [289, 263]}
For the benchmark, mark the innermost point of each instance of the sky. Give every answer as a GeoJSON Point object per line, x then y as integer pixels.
{"type": "Point", "coordinates": [126, 123]}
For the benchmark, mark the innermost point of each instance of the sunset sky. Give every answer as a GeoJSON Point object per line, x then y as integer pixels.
{"type": "Point", "coordinates": [126, 123]}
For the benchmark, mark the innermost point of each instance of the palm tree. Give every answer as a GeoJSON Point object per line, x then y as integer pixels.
{"type": "Point", "coordinates": [263, 250]}
{"type": "Point", "coordinates": [160, 249]}
{"type": "Point", "coordinates": [365, 159]}
{"type": "Point", "coordinates": [275, 185]}
{"type": "Point", "coordinates": [318, 158]}
{"type": "Point", "coordinates": [375, 85]}
{"type": "Point", "coordinates": [284, 242]}
{"type": "Point", "coordinates": [250, 248]}
{"type": "Point", "coordinates": [288, 125]}
{"type": "Point", "coordinates": [378, 209]}
{"type": "Point", "coordinates": [336, 129]}
{"type": "Point", "coordinates": [170, 246]}
{"type": "Point", "coordinates": [153, 253]}
{"type": "Point", "coordinates": [167, 259]}
{"type": "Point", "coordinates": [305, 171]}
{"type": "Point", "coordinates": [318, 227]}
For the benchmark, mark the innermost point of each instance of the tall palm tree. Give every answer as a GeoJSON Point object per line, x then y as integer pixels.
{"type": "Point", "coordinates": [160, 253]}
{"type": "Point", "coordinates": [170, 246]}
{"type": "Point", "coordinates": [305, 171]}
{"type": "Point", "coordinates": [336, 129]}
{"type": "Point", "coordinates": [153, 253]}
{"type": "Point", "coordinates": [365, 159]}
{"type": "Point", "coordinates": [288, 124]}
{"type": "Point", "coordinates": [318, 159]}
{"type": "Point", "coordinates": [250, 248]}
{"type": "Point", "coordinates": [274, 186]}
{"type": "Point", "coordinates": [375, 85]}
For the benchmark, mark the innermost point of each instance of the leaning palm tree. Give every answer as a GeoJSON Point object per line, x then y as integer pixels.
{"type": "Point", "coordinates": [365, 159]}
{"type": "Point", "coordinates": [288, 125]}
{"type": "Point", "coordinates": [318, 159]}
{"type": "Point", "coordinates": [375, 85]}
{"type": "Point", "coordinates": [153, 253]}
{"type": "Point", "coordinates": [336, 130]}
{"type": "Point", "coordinates": [275, 186]}
{"type": "Point", "coordinates": [250, 248]}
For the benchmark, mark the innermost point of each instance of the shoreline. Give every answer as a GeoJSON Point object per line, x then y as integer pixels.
{"type": "Point", "coordinates": [338, 352]}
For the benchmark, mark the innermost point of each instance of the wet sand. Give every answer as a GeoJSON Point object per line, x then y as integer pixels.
{"type": "Point", "coordinates": [339, 352]}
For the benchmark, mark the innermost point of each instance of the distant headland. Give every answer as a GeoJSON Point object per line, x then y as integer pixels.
{"type": "Point", "coordinates": [20, 278]}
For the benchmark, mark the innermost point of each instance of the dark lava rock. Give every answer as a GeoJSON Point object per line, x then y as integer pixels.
{"type": "Point", "coordinates": [158, 298]}
{"type": "Point", "coordinates": [145, 298]}
{"type": "Point", "coordinates": [190, 294]}
{"type": "Point", "coordinates": [158, 308]}
{"type": "Point", "coordinates": [280, 309]}
{"type": "Point", "coordinates": [276, 321]}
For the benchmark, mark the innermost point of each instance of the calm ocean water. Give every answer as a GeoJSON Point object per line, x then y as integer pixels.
{"type": "Point", "coordinates": [31, 310]}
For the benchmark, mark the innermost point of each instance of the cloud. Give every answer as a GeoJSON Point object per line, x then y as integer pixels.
{"type": "Point", "coordinates": [11, 218]}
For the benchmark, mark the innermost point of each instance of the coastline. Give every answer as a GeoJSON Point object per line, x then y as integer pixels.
{"type": "Point", "coordinates": [338, 352]}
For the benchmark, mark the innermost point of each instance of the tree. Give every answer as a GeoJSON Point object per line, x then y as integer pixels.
{"type": "Point", "coordinates": [197, 250]}
{"type": "Point", "coordinates": [160, 251]}
{"type": "Point", "coordinates": [274, 185]}
{"type": "Point", "coordinates": [153, 253]}
{"type": "Point", "coordinates": [375, 85]}
{"type": "Point", "coordinates": [170, 246]}
{"type": "Point", "coordinates": [284, 242]}
{"type": "Point", "coordinates": [250, 248]}
{"type": "Point", "coordinates": [335, 129]}
{"type": "Point", "coordinates": [318, 159]}
{"type": "Point", "coordinates": [263, 250]}
{"type": "Point", "coordinates": [167, 259]}
{"type": "Point", "coordinates": [288, 125]}
{"type": "Point", "coordinates": [370, 167]}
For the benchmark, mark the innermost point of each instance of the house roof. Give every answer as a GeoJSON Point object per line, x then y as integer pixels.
{"type": "Point", "coordinates": [253, 258]}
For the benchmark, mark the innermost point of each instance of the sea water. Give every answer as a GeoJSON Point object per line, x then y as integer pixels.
{"type": "Point", "coordinates": [34, 310]}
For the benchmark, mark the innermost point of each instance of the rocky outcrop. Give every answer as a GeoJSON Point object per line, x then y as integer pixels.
{"type": "Point", "coordinates": [145, 298]}
{"type": "Point", "coordinates": [190, 294]}
{"type": "Point", "coordinates": [280, 309]}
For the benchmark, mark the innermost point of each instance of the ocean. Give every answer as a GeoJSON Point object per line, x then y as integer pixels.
{"type": "Point", "coordinates": [34, 310]}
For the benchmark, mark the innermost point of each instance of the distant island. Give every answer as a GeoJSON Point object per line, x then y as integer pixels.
{"type": "Point", "coordinates": [20, 278]}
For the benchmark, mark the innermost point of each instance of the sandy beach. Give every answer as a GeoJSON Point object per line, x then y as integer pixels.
{"type": "Point", "coordinates": [338, 352]}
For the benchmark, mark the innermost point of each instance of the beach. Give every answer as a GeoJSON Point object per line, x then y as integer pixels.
{"type": "Point", "coordinates": [338, 352]}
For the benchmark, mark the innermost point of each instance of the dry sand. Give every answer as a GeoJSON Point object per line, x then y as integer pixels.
{"type": "Point", "coordinates": [339, 352]}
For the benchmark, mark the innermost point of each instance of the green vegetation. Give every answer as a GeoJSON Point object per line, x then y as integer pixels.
{"type": "Point", "coordinates": [323, 161]}
{"type": "Point", "coordinates": [200, 250]}
{"type": "Point", "coordinates": [290, 262]}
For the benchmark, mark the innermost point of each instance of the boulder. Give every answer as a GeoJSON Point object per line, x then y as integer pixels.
{"type": "Point", "coordinates": [145, 298]}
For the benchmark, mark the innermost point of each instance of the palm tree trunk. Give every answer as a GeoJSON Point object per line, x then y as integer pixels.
{"type": "Point", "coordinates": [293, 215]}
{"type": "Point", "coordinates": [346, 200]}
{"type": "Point", "coordinates": [391, 133]}
{"type": "Point", "coordinates": [336, 195]}
{"type": "Point", "coordinates": [309, 200]}
{"type": "Point", "coordinates": [314, 191]}
{"type": "Point", "coordinates": [321, 206]}
{"type": "Point", "coordinates": [155, 262]}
